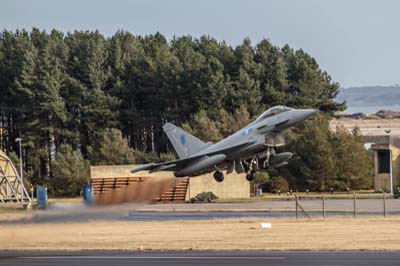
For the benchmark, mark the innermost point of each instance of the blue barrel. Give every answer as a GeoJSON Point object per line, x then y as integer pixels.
{"type": "Point", "coordinates": [88, 195]}
{"type": "Point", "coordinates": [41, 195]}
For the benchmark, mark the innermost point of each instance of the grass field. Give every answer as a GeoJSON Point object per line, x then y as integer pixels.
{"type": "Point", "coordinates": [366, 233]}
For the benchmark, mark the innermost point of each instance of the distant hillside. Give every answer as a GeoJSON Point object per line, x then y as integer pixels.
{"type": "Point", "coordinates": [370, 96]}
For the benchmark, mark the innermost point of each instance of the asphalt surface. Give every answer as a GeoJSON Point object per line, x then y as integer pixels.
{"type": "Point", "coordinates": [231, 258]}
{"type": "Point", "coordinates": [209, 215]}
{"type": "Point", "coordinates": [331, 205]}
{"type": "Point", "coordinates": [76, 212]}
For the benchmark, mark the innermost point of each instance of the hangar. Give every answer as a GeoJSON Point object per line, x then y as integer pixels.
{"type": "Point", "coordinates": [116, 184]}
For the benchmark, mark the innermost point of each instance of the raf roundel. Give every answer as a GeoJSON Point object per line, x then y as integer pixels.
{"type": "Point", "coordinates": [183, 139]}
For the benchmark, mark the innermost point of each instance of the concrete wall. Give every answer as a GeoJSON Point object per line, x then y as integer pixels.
{"type": "Point", "coordinates": [396, 166]}
{"type": "Point", "coordinates": [234, 185]}
{"type": "Point", "coordinates": [382, 180]}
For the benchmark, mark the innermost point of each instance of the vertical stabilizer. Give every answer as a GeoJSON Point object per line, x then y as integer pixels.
{"type": "Point", "coordinates": [183, 143]}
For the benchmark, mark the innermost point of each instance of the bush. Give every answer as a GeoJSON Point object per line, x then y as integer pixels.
{"type": "Point", "coordinates": [259, 181]}
{"type": "Point", "coordinates": [165, 157]}
{"type": "Point", "coordinates": [278, 184]}
{"type": "Point", "coordinates": [70, 172]}
{"type": "Point", "coordinates": [149, 157]}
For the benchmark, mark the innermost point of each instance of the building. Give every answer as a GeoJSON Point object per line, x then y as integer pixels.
{"type": "Point", "coordinates": [382, 136]}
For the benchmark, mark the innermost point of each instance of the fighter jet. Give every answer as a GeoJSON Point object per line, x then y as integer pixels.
{"type": "Point", "coordinates": [248, 150]}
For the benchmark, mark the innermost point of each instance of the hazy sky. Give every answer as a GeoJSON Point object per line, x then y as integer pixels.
{"type": "Point", "coordinates": [356, 41]}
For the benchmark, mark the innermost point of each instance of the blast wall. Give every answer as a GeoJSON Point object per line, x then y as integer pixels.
{"type": "Point", "coordinates": [149, 187]}
{"type": "Point", "coordinates": [233, 186]}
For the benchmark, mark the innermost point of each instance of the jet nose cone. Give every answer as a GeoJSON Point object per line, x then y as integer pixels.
{"type": "Point", "coordinates": [308, 112]}
{"type": "Point", "coordinates": [303, 114]}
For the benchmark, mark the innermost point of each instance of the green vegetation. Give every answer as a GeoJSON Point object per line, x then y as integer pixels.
{"type": "Point", "coordinates": [111, 148]}
{"type": "Point", "coordinates": [70, 172]}
{"type": "Point", "coordinates": [259, 181]}
{"type": "Point", "coordinates": [87, 92]}
{"type": "Point", "coordinates": [324, 160]}
{"type": "Point", "coordinates": [278, 184]}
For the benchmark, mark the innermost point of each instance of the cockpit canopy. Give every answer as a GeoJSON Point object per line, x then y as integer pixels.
{"type": "Point", "coordinates": [274, 111]}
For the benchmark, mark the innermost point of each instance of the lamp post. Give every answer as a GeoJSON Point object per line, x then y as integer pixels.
{"type": "Point", "coordinates": [391, 166]}
{"type": "Point", "coordinates": [19, 140]}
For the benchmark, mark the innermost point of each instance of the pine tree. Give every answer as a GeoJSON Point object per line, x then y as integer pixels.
{"type": "Point", "coordinates": [225, 123]}
{"type": "Point", "coordinates": [204, 128]}
{"type": "Point", "coordinates": [95, 108]}
{"type": "Point", "coordinates": [355, 167]}
{"type": "Point", "coordinates": [315, 150]}
{"type": "Point", "coordinates": [70, 171]}
{"type": "Point", "coordinates": [241, 118]}
{"type": "Point", "coordinates": [111, 148]}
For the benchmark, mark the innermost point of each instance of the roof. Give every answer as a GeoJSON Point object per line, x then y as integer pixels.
{"type": "Point", "coordinates": [6, 166]}
{"type": "Point", "coordinates": [369, 127]}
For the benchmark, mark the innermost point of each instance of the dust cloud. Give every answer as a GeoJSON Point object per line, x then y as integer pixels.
{"type": "Point", "coordinates": [111, 205]}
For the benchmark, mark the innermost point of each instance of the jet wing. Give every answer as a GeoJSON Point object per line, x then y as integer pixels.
{"type": "Point", "coordinates": [231, 148]}
{"type": "Point", "coordinates": [181, 163]}
{"type": "Point", "coordinates": [165, 166]}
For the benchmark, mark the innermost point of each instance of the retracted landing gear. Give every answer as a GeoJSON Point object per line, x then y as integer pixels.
{"type": "Point", "coordinates": [218, 176]}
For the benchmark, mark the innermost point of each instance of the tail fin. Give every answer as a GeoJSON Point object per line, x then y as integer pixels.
{"type": "Point", "coordinates": [183, 143]}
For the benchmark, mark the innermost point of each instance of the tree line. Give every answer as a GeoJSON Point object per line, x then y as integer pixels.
{"type": "Point", "coordinates": [78, 94]}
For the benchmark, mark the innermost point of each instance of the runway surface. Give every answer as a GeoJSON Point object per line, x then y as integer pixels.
{"type": "Point", "coordinates": [67, 212]}
{"type": "Point", "coordinates": [187, 215]}
{"type": "Point", "coordinates": [232, 258]}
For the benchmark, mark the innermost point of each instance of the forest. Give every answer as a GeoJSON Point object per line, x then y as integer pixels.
{"type": "Point", "coordinates": [81, 98]}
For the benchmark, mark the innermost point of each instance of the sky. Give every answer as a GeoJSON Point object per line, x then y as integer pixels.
{"type": "Point", "coordinates": [356, 41]}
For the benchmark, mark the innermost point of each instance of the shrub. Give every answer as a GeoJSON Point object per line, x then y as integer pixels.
{"type": "Point", "coordinates": [70, 172]}
{"type": "Point", "coordinates": [278, 184]}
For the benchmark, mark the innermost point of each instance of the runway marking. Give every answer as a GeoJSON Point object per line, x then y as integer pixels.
{"type": "Point", "coordinates": [146, 257]}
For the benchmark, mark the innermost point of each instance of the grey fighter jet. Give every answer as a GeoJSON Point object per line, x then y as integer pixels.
{"type": "Point", "coordinates": [250, 149]}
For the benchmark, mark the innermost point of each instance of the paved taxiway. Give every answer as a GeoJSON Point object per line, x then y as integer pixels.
{"type": "Point", "coordinates": [61, 213]}
{"type": "Point", "coordinates": [231, 258]}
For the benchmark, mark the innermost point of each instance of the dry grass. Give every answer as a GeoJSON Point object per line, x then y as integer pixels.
{"type": "Point", "coordinates": [64, 200]}
{"type": "Point", "coordinates": [366, 233]}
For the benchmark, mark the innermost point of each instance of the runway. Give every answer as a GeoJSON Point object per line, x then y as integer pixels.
{"type": "Point", "coordinates": [232, 258]}
{"type": "Point", "coordinates": [187, 215]}
{"type": "Point", "coordinates": [73, 212]}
